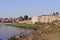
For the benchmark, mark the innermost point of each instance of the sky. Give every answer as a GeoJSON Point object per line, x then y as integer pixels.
{"type": "Point", "coordinates": [16, 8]}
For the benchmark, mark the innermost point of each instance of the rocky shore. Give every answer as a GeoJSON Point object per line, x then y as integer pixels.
{"type": "Point", "coordinates": [42, 33]}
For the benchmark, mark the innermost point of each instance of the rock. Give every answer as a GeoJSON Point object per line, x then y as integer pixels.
{"type": "Point", "coordinates": [22, 35]}
{"type": "Point", "coordinates": [42, 33]}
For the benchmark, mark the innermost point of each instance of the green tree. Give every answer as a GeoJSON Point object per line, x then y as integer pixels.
{"type": "Point", "coordinates": [30, 18]}
{"type": "Point", "coordinates": [26, 17]}
{"type": "Point", "coordinates": [57, 13]}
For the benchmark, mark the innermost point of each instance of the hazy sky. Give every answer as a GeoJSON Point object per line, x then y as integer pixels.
{"type": "Point", "coordinates": [16, 8]}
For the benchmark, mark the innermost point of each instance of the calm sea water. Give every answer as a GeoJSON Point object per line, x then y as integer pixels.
{"type": "Point", "coordinates": [6, 31]}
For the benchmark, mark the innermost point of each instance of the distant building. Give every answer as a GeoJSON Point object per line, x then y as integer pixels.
{"type": "Point", "coordinates": [0, 19]}
{"type": "Point", "coordinates": [19, 19]}
{"type": "Point", "coordinates": [45, 18]}
{"type": "Point", "coordinates": [56, 14]}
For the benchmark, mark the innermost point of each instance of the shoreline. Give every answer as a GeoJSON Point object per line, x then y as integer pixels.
{"type": "Point", "coordinates": [26, 26]}
{"type": "Point", "coordinates": [42, 33]}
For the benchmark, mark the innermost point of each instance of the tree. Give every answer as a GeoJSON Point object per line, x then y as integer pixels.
{"type": "Point", "coordinates": [30, 18]}
{"type": "Point", "coordinates": [20, 17]}
{"type": "Point", "coordinates": [57, 13]}
{"type": "Point", "coordinates": [54, 14]}
{"type": "Point", "coordinates": [26, 17]}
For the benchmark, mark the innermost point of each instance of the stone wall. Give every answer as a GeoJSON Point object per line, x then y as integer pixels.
{"type": "Point", "coordinates": [47, 18]}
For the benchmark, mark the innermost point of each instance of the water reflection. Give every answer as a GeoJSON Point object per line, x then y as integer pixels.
{"type": "Point", "coordinates": [6, 31]}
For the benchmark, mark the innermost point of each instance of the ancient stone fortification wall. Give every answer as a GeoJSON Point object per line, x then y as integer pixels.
{"type": "Point", "coordinates": [45, 18]}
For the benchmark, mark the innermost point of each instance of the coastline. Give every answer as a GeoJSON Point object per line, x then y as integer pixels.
{"type": "Point", "coordinates": [26, 26]}
{"type": "Point", "coordinates": [42, 33]}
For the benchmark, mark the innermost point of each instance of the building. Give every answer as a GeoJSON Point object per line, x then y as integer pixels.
{"type": "Point", "coordinates": [45, 18]}
{"type": "Point", "coordinates": [56, 14]}
{"type": "Point", "coordinates": [35, 19]}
